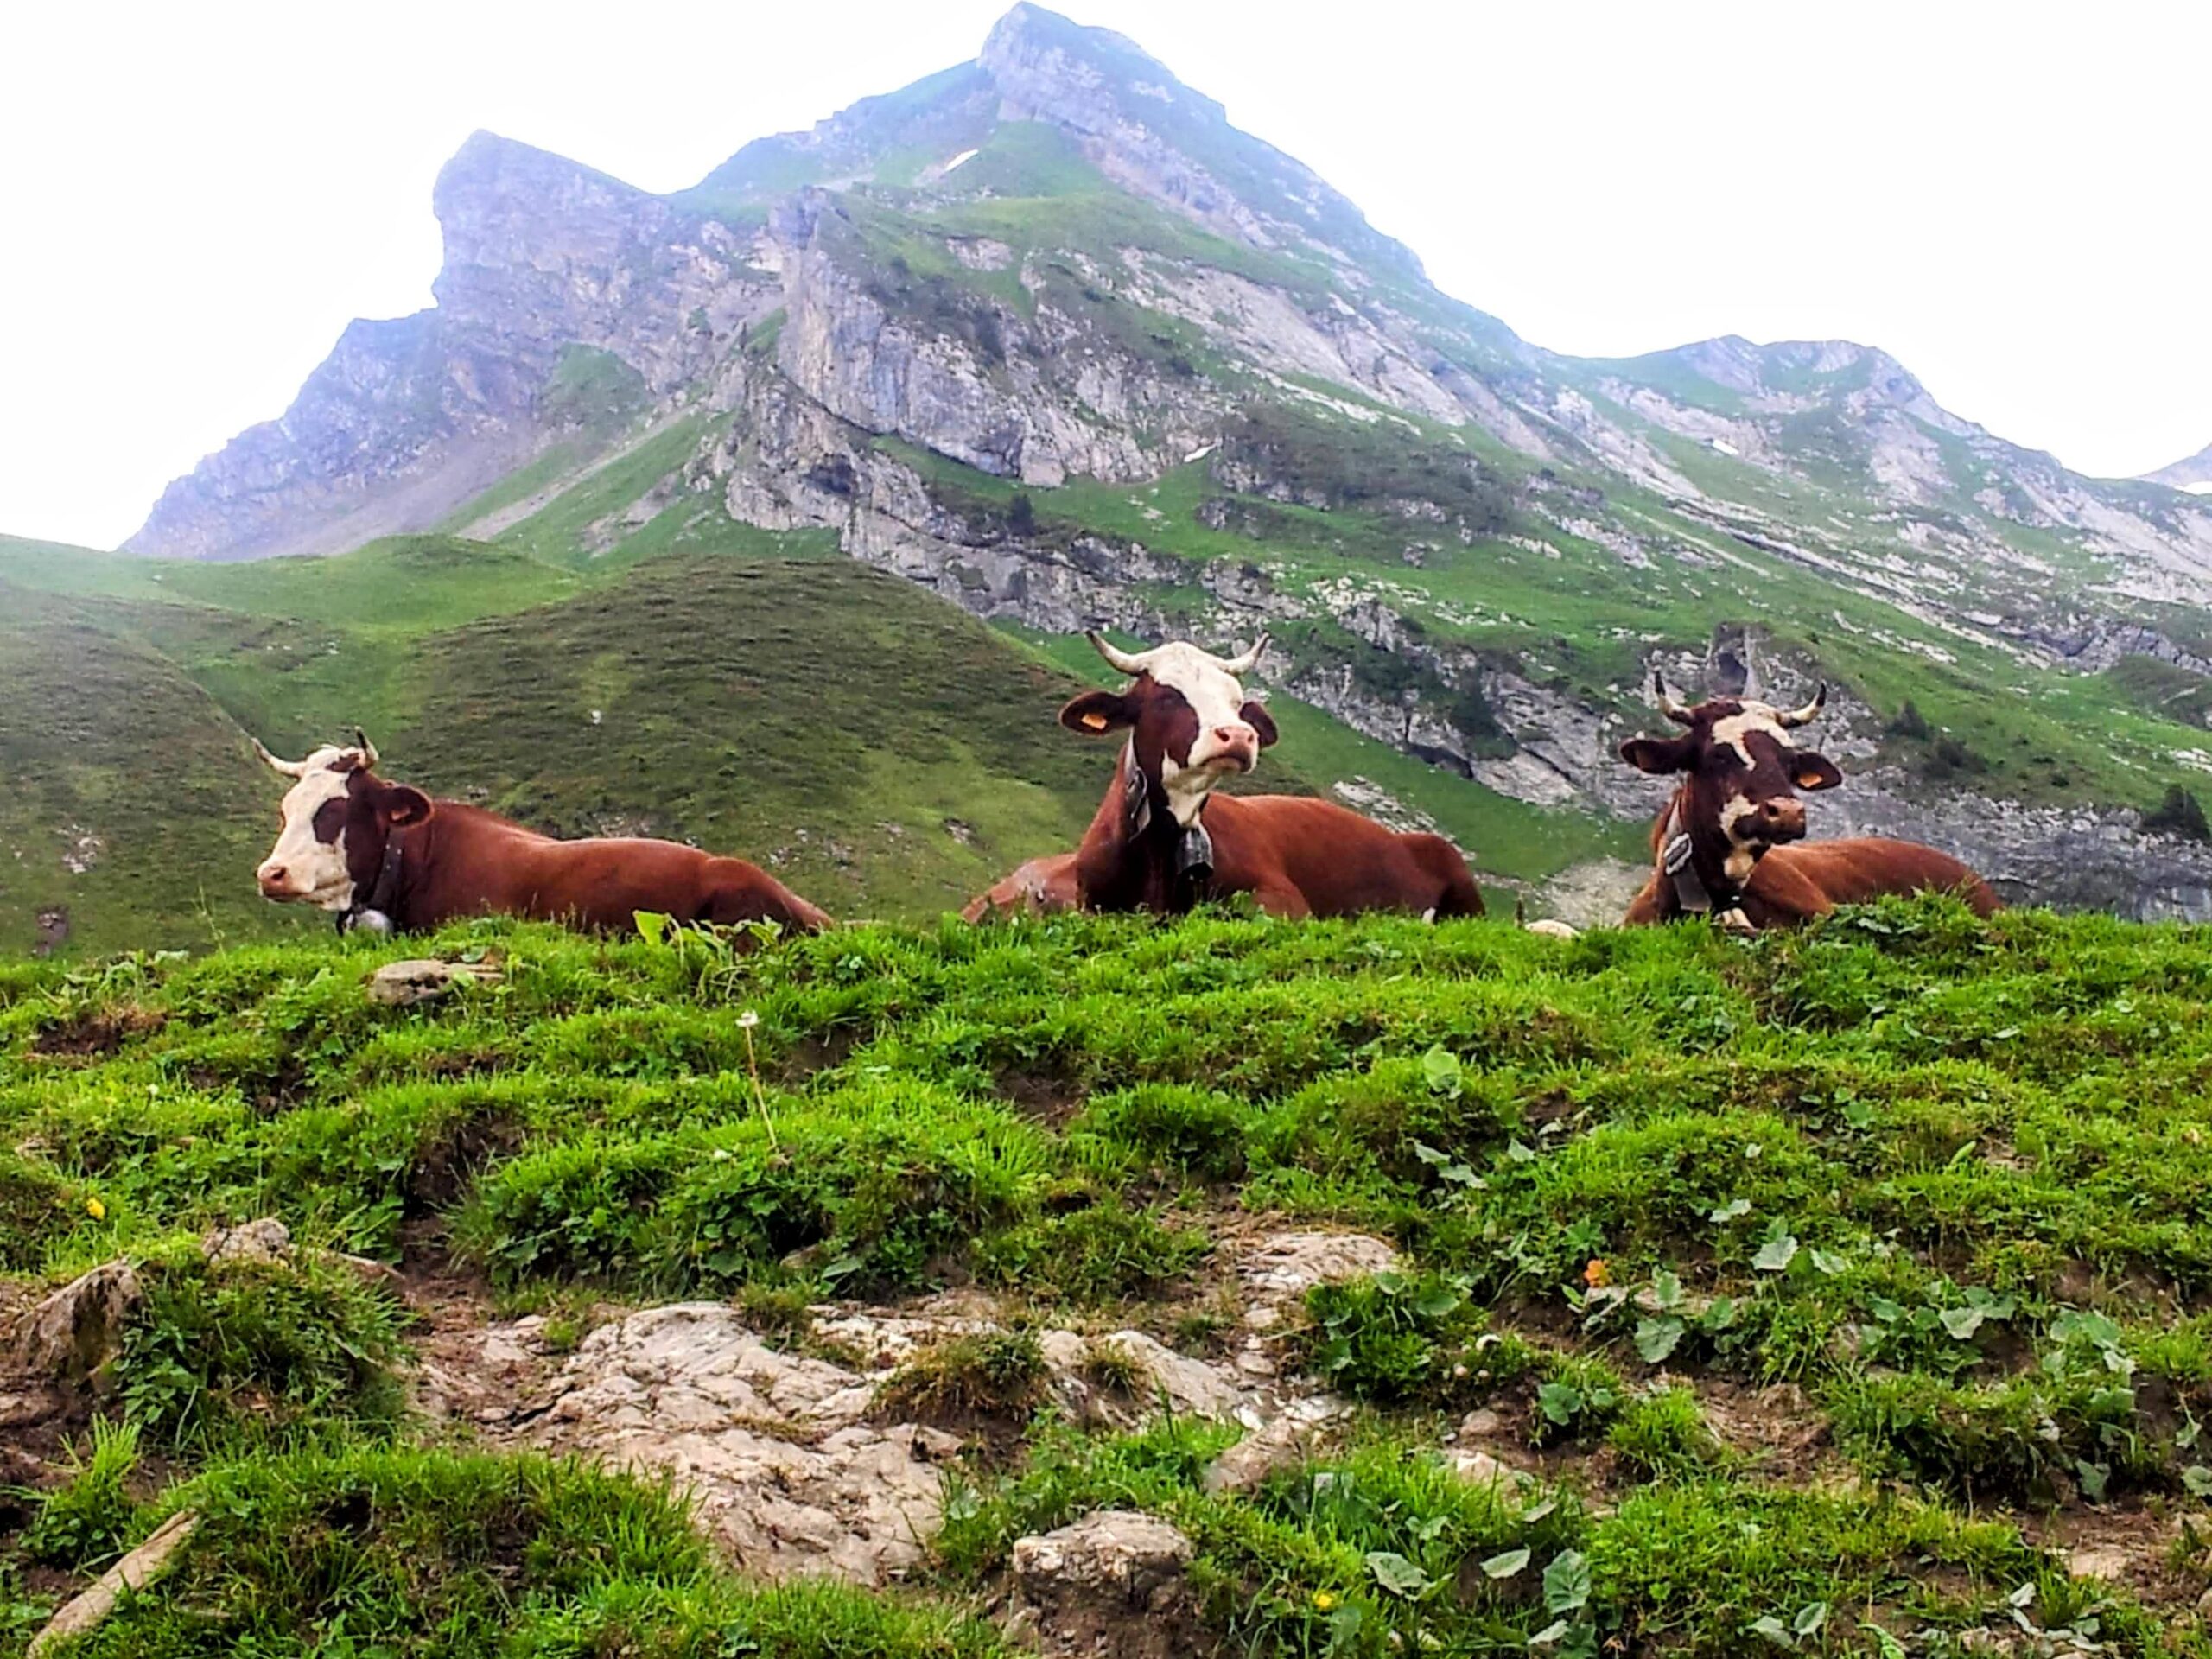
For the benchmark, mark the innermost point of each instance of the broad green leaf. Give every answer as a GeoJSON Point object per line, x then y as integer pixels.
{"type": "Point", "coordinates": [652, 925]}
{"type": "Point", "coordinates": [1560, 1401]}
{"type": "Point", "coordinates": [1505, 1566]}
{"type": "Point", "coordinates": [1775, 1631]}
{"type": "Point", "coordinates": [1734, 1210]}
{"type": "Point", "coordinates": [1437, 1303]}
{"type": "Point", "coordinates": [1776, 1254]}
{"type": "Point", "coordinates": [1395, 1574]}
{"type": "Point", "coordinates": [1885, 1645]}
{"type": "Point", "coordinates": [1829, 1263]}
{"type": "Point", "coordinates": [2198, 1479]}
{"type": "Point", "coordinates": [1549, 1634]}
{"type": "Point", "coordinates": [1810, 1617]}
{"type": "Point", "coordinates": [2092, 1477]}
{"type": "Point", "coordinates": [1567, 1582]}
{"type": "Point", "coordinates": [1667, 1289]}
{"type": "Point", "coordinates": [1963, 1322]}
{"type": "Point", "coordinates": [1656, 1339]}
{"type": "Point", "coordinates": [1440, 1067]}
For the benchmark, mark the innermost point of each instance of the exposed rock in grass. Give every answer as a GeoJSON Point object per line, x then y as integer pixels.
{"type": "Point", "coordinates": [1111, 1583]}
{"type": "Point", "coordinates": [403, 984]}
{"type": "Point", "coordinates": [71, 1336]}
{"type": "Point", "coordinates": [1284, 1265]}
{"type": "Point", "coordinates": [128, 1576]}
{"type": "Point", "coordinates": [1283, 1443]}
{"type": "Point", "coordinates": [266, 1240]}
{"type": "Point", "coordinates": [790, 1477]}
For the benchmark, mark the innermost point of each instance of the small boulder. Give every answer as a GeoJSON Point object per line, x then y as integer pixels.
{"type": "Point", "coordinates": [425, 979]}
{"type": "Point", "coordinates": [1284, 1265]}
{"type": "Point", "coordinates": [1283, 1443]}
{"type": "Point", "coordinates": [71, 1335]}
{"type": "Point", "coordinates": [258, 1242]}
{"type": "Point", "coordinates": [1110, 1584]}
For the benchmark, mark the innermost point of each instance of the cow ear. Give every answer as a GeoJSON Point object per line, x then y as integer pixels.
{"type": "Point", "coordinates": [1810, 770]}
{"type": "Point", "coordinates": [1657, 754]}
{"type": "Point", "coordinates": [1096, 713]}
{"type": "Point", "coordinates": [1254, 715]}
{"type": "Point", "coordinates": [403, 804]}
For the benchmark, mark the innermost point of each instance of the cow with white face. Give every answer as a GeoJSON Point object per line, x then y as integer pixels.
{"type": "Point", "coordinates": [384, 855]}
{"type": "Point", "coordinates": [1164, 837]}
{"type": "Point", "coordinates": [310, 864]}
{"type": "Point", "coordinates": [1730, 842]}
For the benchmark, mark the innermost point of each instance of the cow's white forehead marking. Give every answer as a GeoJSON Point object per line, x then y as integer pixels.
{"type": "Point", "coordinates": [1736, 729]}
{"type": "Point", "coordinates": [314, 872]}
{"type": "Point", "coordinates": [1214, 694]}
{"type": "Point", "coordinates": [1217, 697]}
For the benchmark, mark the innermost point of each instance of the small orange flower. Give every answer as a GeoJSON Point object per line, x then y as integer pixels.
{"type": "Point", "coordinates": [1596, 1275]}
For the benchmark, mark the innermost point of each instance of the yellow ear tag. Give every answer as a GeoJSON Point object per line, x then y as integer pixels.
{"type": "Point", "coordinates": [1095, 722]}
{"type": "Point", "coordinates": [1810, 780]}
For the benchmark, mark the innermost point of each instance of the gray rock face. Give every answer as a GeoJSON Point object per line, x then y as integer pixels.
{"type": "Point", "coordinates": [795, 1463]}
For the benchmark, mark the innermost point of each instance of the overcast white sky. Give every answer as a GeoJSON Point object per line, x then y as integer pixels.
{"type": "Point", "coordinates": [2011, 198]}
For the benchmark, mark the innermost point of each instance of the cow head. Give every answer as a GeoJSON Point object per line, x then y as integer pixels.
{"type": "Point", "coordinates": [1741, 771]}
{"type": "Point", "coordinates": [336, 819]}
{"type": "Point", "coordinates": [1189, 721]}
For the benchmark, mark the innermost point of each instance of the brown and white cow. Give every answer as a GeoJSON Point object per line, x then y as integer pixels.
{"type": "Point", "coordinates": [384, 855]}
{"type": "Point", "coordinates": [1163, 839]}
{"type": "Point", "coordinates": [1037, 888]}
{"type": "Point", "coordinates": [1731, 842]}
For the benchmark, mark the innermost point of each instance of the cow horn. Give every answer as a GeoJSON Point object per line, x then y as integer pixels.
{"type": "Point", "coordinates": [1122, 659]}
{"type": "Point", "coordinates": [368, 749]}
{"type": "Point", "coordinates": [1244, 664]}
{"type": "Point", "coordinates": [1788, 717]}
{"type": "Point", "coordinates": [289, 768]}
{"type": "Point", "coordinates": [1674, 711]}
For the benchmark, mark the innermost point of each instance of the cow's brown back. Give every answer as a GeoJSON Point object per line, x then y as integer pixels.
{"type": "Point", "coordinates": [1791, 884]}
{"type": "Point", "coordinates": [466, 862]}
{"type": "Point", "coordinates": [1336, 861]}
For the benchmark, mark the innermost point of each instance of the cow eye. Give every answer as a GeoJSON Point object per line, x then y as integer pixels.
{"type": "Point", "coordinates": [329, 821]}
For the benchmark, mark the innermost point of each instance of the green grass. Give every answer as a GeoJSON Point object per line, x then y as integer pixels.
{"type": "Point", "coordinates": [1942, 1176]}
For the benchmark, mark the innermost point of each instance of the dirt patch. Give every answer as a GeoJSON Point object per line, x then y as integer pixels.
{"type": "Point", "coordinates": [822, 1054]}
{"type": "Point", "coordinates": [1043, 1097]}
{"type": "Point", "coordinates": [96, 1032]}
{"type": "Point", "coordinates": [1788, 1440]}
{"type": "Point", "coordinates": [2130, 1546]}
{"type": "Point", "coordinates": [447, 1168]}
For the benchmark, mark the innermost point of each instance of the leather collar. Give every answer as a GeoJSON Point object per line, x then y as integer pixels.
{"type": "Point", "coordinates": [1676, 859]}
{"type": "Point", "coordinates": [374, 915]}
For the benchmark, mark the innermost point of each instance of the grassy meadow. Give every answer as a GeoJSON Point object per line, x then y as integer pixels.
{"type": "Point", "coordinates": [1837, 1289]}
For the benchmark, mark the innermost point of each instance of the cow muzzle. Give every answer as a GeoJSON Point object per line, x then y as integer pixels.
{"type": "Point", "coordinates": [1778, 821]}
{"type": "Point", "coordinates": [281, 885]}
{"type": "Point", "coordinates": [1233, 747]}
